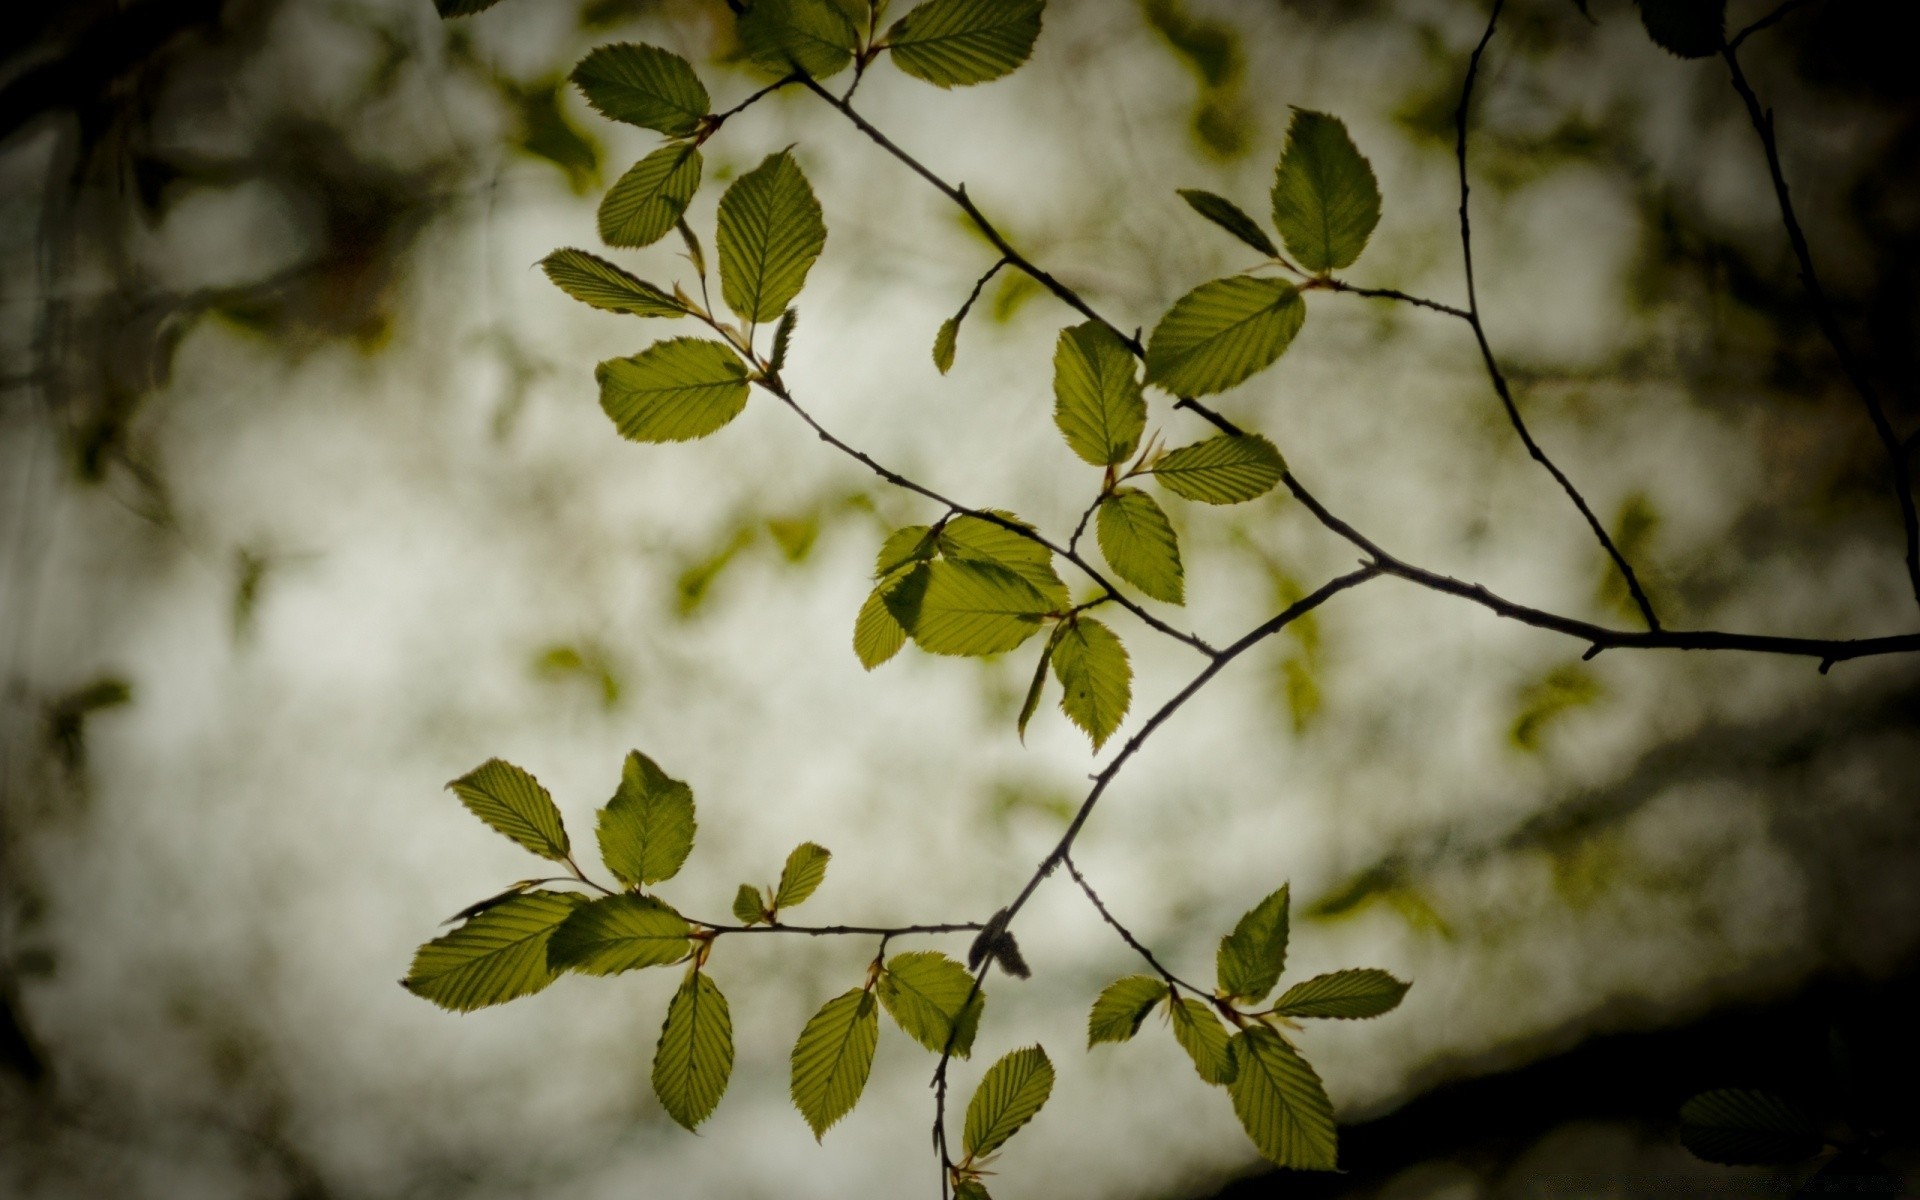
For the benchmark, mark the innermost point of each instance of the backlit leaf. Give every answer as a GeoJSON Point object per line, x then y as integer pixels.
{"type": "Point", "coordinates": [806, 868]}
{"type": "Point", "coordinates": [783, 338]}
{"type": "Point", "coordinates": [514, 803]}
{"type": "Point", "coordinates": [966, 607]}
{"type": "Point", "coordinates": [619, 933]}
{"type": "Point", "coordinates": [1140, 545]}
{"type": "Point", "coordinates": [1204, 1038]}
{"type": "Point", "coordinates": [643, 85]}
{"type": "Point", "coordinates": [1121, 1006]}
{"type": "Point", "coordinates": [970, 1189]}
{"type": "Point", "coordinates": [1097, 402]}
{"type": "Point", "coordinates": [1344, 994]}
{"type": "Point", "coordinates": [877, 635]}
{"type": "Point", "coordinates": [593, 280]}
{"type": "Point", "coordinates": [646, 830]}
{"type": "Point", "coordinates": [1743, 1127]}
{"type": "Point", "coordinates": [644, 204]}
{"type": "Point", "coordinates": [816, 37]}
{"type": "Point", "coordinates": [832, 1058]}
{"type": "Point", "coordinates": [673, 391]}
{"type": "Point", "coordinates": [1011, 1093]}
{"type": "Point", "coordinates": [1223, 333]}
{"type": "Point", "coordinates": [499, 955]}
{"type": "Point", "coordinates": [770, 234]}
{"type": "Point", "coordinates": [954, 43]}
{"type": "Point", "coordinates": [749, 906]}
{"type": "Point", "coordinates": [980, 540]}
{"type": "Point", "coordinates": [1222, 470]}
{"type": "Point", "coordinates": [1229, 216]}
{"type": "Point", "coordinates": [1325, 199]}
{"type": "Point", "coordinates": [910, 544]}
{"type": "Point", "coordinates": [694, 1059]}
{"type": "Point", "coordinates": [945, 342]}
{"type": "Point", "coordinates": [1096, 680]}
{"type": "Point", "coordinates": [1032, 703]}
{"type": "Point", "coordinates": [1251, 958]}
{"type": "Point", "coordinates": [925, 993]}
{"type": "Point", "coordinates": [1281, 1103]}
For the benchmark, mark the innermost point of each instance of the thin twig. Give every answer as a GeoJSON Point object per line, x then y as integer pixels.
{"type": "Point", "coordinates": [1829, 322]}
{"type": "Point", "coordinates": [1126, 935]}
{"type": "Point", "coordinates": [1771, 18]}
{"type": "Point", "coordinates": [1494, 372]}
{"type": "Point", "coordinates": [845, 930]}
{"type": "Point", "coordinates": [1334, 285]}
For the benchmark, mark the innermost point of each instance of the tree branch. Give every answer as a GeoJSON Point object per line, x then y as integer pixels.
{"type": "Point", "coordinates": [1126, 935]}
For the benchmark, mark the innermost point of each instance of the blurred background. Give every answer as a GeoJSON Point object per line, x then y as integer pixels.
{"type": "Point", "coordinates": [309, 507]}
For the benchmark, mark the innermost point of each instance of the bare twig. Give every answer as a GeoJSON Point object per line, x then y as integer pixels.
{"type": "Point", "coordinates": [1771, 18]}
{"type": "Point", "coordinates": [1126, 935]}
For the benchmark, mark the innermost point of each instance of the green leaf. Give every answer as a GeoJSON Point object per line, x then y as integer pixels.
{"type": "Point", "coordinates": [805, 869]}
{"type": "Point", "coordinates": [877, 635]}
{"type": "Point", "coordinates": [1032, 703]}
{"type": "Point", "coordinates": [1228, 216]}
{"type": "Point", "coordinates": [1205, 1040]}
{"type": "Point", "coordinates": [1095, 677]}
{"type": "Point", "coordinates": [499, 955]}
{"type": "Point", "coordinates": [1251, 958]}
{"type": "Point", "coordinates": [1222, 470]}
{"type": "Point", "coordinates": [911, 544]}
{"type": "Point", "coordinates": [833, 1057]}
{"type": "Point", "coordinates": [619, 933]}
{"type": "Point", "coordinates": [646, 830]}
{"type": "Point", "coordinates": [1348, 995]}
{"type": "Point", "coordinates": [1121, 1007]}
{"type": "Point", "coordinates": [924, 992]}
{"type": "Point", "coordinates": [970, 1189]}
{"type": "Point", "coordinates": [1325, 199]}
{"type": "Point", "coordinates": [1687, 28]}
{"type": "Point", "coordinates": [1140, 544]}
{"type": "Point", "coordinates": [1281, 1103]}
{"type": "Point", "coordinates": [673, 391]}
{"type": "Point", "coordinates": [749, 906]}
{"type": "Point", "coordinates": [944, 344]}
{"type": "Point", "coordinates": [1745, 1127]}
{"type": "Point", "coordinates": [965, 607]}
{"type": "Point", "coordinates": [644, 204]}
{"type": "Point", "coordinates": [1011, 1093]}
{"type": "Point", "coordinates": [815, 37]}
{"type": "Point", "coordinates": [695, 1055]}
{"type": "Point", "coordinates": [593, 280]}
{"type": "Point", "coordinates": [955, 43]}
{"type": "Point", "coordinates": [979, 540]}
{"type": "Point", "coordinates": [514, 803]}
{"type": "Point", "coordinates": [770, 234]}
{"type": "Point", "coordinates": [1097, 401]}
{"type": "Point", "coordinates": [1223, 333]}
{"type": "Point", "coordinates": [643, 85]}
{"type": "Point", "coordinates": [783, 338]}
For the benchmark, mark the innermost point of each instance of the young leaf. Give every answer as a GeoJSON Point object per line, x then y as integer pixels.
{"type": "Point", "coordinates": [955, 43]}
{"type": "Point", "coordinates": [833, 1057]}
{"type": "Point", "coordinates": [643, 85]}
{"type": "Point", "coordinates": [1251, 958]}
{"type": "Point", "coordinates": [593, 280]}
{"type": "Point", "coordinates": [770, 234]}
{"type": "Point", "coordinates": [694, 1059]}
{"type": "Point", "coordinates": [805, 868]}
{"type": "Point", "coordinates": [1281, 1103]}
{"type": "Point", "coordinates": [1032, 703]}
{"type": "Point", "coordinates": [970, 1189]}
{"type": "Point", "coordinates": [1121, 1007]}
{"type": "Point", "coordinates": [1096, 679]}
{"type": "Point", "coordinates": [877, 635]}
{"type": "Point", "coordinates": [514, 803]}
{"type": "Point", "coordinates": [924, 992]}
{"type": "Point", "coordinates": [645, 203]}
{"type": "Point", "coordinates": [1097, 402]}
{"type": "Point", "coordinates": [1228, 216]}
{"type": "Point", "coordinates": [783, 338]}
{"type": "Point", "coordinates": [1343, 994]}
{"type": "Point", "coordinates": [965, 607]}
{"type": "Point", "coordinates": [749, 906]}
{"type": "Point", "coordinates": [1745, 1127]}
{"type": "Point", "coordinates": [1011, 1093]}
{"type": "Point", "coordinates": [646, 830]}
{"type": "Point", "coordinates": [499, 955]}
{"type": "Point", "coordinates": [817, 37]}
{"type": "Point", "coordinates": [1223, 333]}
{"type": "Point", "coordinates": [903, 547]}
{"type": "Point", "coordinates": [981, 540]}
{"type": "Point", "coordinates": [619, 933]}
{"type": "Point", "coordinates": [673, 391]}
{"type": "Point", "coordinates": [1325, 200]}
{"type": "Point", "coordinates": [1687, 28]}
{"type": "Point", "coordinates": [1140, 544]}
{"type": "Point", "coordinates": [1222, 470]}
{"type": "Point", "coordinates": [1205, 1040]}
{"type": "Point", "coordinates": [945, 342]}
